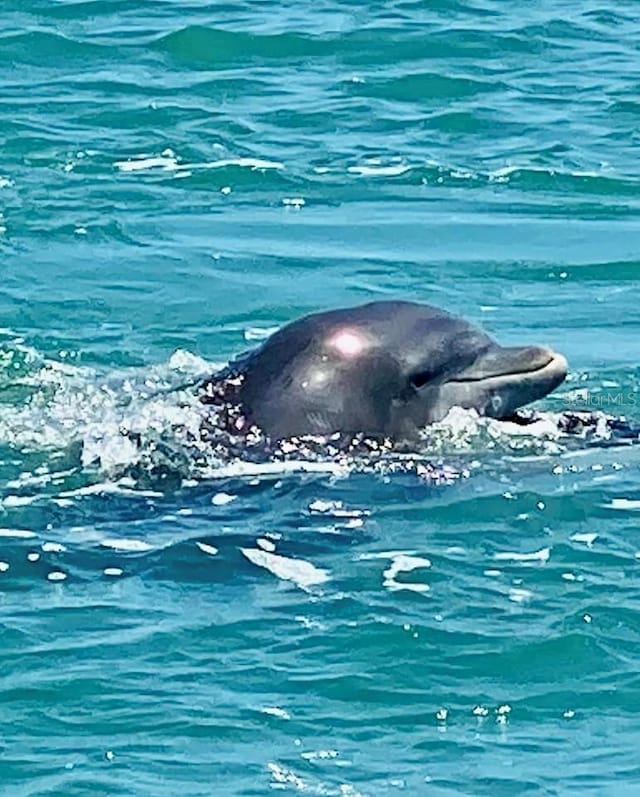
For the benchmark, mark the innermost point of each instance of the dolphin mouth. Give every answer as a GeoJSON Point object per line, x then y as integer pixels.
{"type": "Point", "coordinates": [509, 378]}
{"type": "Point", "coordinates": [514, 363]}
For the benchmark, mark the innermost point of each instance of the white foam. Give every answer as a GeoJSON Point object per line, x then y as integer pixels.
{"type": "Point", "coordinates": [113, 572]}
{"type": "Point", "coordinates": [142, 164]}
{"type": "Point", "coordinates": [266, 545]}
{"type": "Point", "coordinates": [20, 533]}
{"type": "Point", "coordinates": [518, 595]}
{"type": "Point", "coordinates": [320, 755]}
{"type": "Point", "coordinates": [125, 544]}
{"type": "Point", "coordinates": [220, 499]}
{"type": "Point", "coordinates": [378, 171]}
{"type": "Point", "coordinates": [512, 556]}
{"type": "Point", "coordinates": [279, 468]}
{"type": "Point", "coordinates": [19, 500]}
{"type": "Point", "coordinates": [324, 506]}
{"type": "Point", "coordinates": [299, 571]}
{"type": "Point", "coordinates": [109, 488]}
{"type": "Point", "coordinates": [383, 555]}
{"type": "Point", "coordinates": [502, 173]}
{"type": "Point", "coordinates": [335, 509]}
{"type": "Point", "coordinates": [585, 173]}
{"type": "Point", "coordinates": [243, 163]}
{"type": "Point", "coordinates": [284, 778]}
{"type": "Point", "coordinates": [463, 174]}
{"type": "Point", "coordinates": [588, 538]}
{"type": "Point", "coordinates": [182, 360]}
{"type": "Point", "coordinates": [53, 547]}
{"type": "Point", "coordinates": [505, 171]}
{"type": "Point", "coordinates": [624, 504]}
{"type": "Point", "coordinates": [169, 162]}
{"type": "Point", "coordinates": [30, 479]}
{"type": "Point", "coordinates": [395, 586]}
{"type": "Point", "coordinates": [403, 563]}
{"type": "Point", "coordinates": [210, 550]}
{"type": "Point", "coordinates": [275, 711]}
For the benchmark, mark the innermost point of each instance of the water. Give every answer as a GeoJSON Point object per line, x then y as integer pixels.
{"type": "Point", "coordinates": [176, 180]}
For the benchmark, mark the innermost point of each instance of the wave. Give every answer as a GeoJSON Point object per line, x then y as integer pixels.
{"type": "Point", "coordinates": [39, 47]}
{"type": "Point", "coordinates": [324, 182]}
{"type": "Point", "coordinates": [427, 85]}
{"type": "Point", "coordinates": [196, 44]}
{"type": "Point", "coordinates": [202, 46]}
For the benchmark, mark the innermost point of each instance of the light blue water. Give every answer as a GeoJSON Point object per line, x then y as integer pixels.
{"type": "Point", "coordinates": [176, 180]}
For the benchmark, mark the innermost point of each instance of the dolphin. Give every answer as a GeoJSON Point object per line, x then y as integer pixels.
{"type": "Point", "coordinates": [385, 369]}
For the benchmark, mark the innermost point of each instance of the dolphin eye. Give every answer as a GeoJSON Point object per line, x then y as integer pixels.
{"type": "Point", "coordinates": [421, 378]}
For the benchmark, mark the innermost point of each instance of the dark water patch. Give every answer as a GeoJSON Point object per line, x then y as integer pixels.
{"type": "Point", "coordinates": [39, 47]}
{"type": "Point", "coordinates": [628, 107]}
{"type": "Point", "coordinates": [368, 47]}
{"type": "Point", "coordinates": [465, 122]}
{"type": "Point", "coordinates": [606, 271]}
{"type": "Point", "coordinates": [610, 16]}
{"type": "Point", "coordinates": [575, 183]}
{"type": "Point", "coordinates": [231, 86]}
{"type": "Point", "coordinates": [287, 119]}
{"type": "Point", "coordinates": [467, 10]}
{"type": "Point", "coordinates": [564, 33]}
{"type": "Point", "coordinates": [625, 271]}
{"type": "Point", "coordinates": [424, 87]}
{"type": "Point", "coordinates": [202, 46]}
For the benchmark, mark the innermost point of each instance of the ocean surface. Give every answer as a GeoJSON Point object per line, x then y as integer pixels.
{"type": "Point", "coordinates": [177, 179]}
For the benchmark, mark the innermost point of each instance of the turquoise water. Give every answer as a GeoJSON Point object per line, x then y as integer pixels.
{"type": "Point", "coordinates": [177, 179]}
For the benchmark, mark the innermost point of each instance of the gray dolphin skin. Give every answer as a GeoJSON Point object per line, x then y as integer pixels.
{"type": "Point", "coordinates": [387, 368]}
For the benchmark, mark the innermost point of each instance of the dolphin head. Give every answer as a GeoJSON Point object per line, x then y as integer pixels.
{"type": "Point", "coordinates": [387, 368]}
